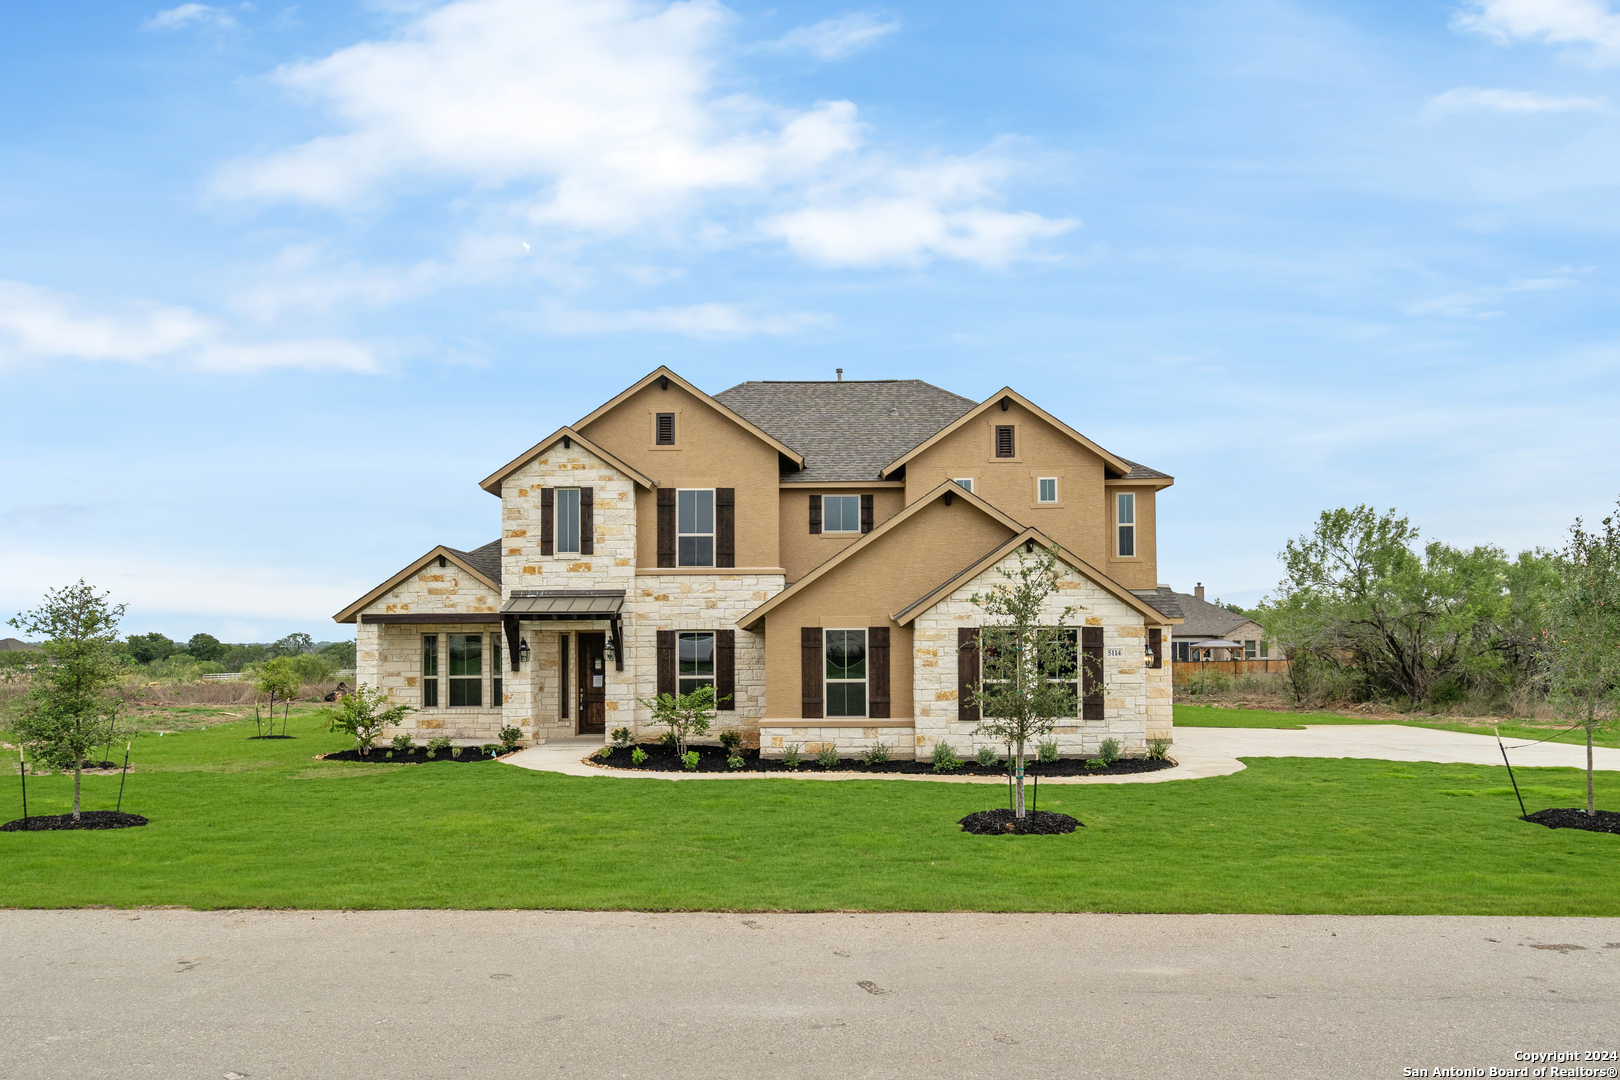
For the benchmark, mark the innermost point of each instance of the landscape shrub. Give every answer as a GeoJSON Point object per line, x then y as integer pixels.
{"type": "Point", "coordinates": [1158, 748]}
{"type": "Point", "coordinates": [402, 743]}
{"type": "Point", "coordinates": [621, 736]}
{"type": "Point", "coordinates": [1108, 751]}
{"type": "Point", "coordinates": [987, 756]}
{"type": "Point", "coordinates": [689, 761]}
{"type": "Point", "coordinates": [491, 749]}
{"type": "Point", "coordinates": [731, 740]}
{"type": "Point", "coordinates": [437, 746]}
{"type": "Point", "coordinates": [637, 756]}
{"type": "Point", "coordinates": [364, 714]}
{"type": "Point", "coordinates": [945, 759]}
{"type": "Point", "coordinates": [735, 761]}
{"type": "Point", "coordinates": [1047, 751]}
{"type": "Point", "coordinates": [878, 754]}
{"type": "Point", "coordinates": [792, 754]}
{"type": "Point", "coordinates": [602, 753]}
{"type": "Point", "coordinates": [827, 756]}
{"type": "Point", "coordinates": [509, 738]}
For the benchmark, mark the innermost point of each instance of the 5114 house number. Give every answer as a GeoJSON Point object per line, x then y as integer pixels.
{"type": "Point", "coordinates": [1116, 652]}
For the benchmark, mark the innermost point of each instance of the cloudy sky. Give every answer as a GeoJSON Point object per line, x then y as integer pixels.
{"type": "Point", "coordinates": [279, 284]}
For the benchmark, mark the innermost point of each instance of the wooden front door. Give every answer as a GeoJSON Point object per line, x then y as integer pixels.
{"type": "Point", "coordinates": [592, 684]}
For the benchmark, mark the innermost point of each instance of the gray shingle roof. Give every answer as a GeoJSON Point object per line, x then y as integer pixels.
{"type": "Point", "coordinates": [1204, 620]}
{"type": "Point", "coordinates": [1161, 600]}
{"type": "Point", "coordinates": [846, 430]}
{"type": "Point", "coordinates": [486, 560]}
{"type": "Point", "coordinates": [1142, 472]}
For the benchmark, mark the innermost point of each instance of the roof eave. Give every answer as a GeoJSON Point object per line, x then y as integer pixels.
{"type": "Point", "coordinates": [492, 482]}
{"type": "Point", "coordinates": [663, 372]}
{"type": "Point", "coordinates": [351, 613]}
{"type": "Point", "coordinates": [1005, 392]}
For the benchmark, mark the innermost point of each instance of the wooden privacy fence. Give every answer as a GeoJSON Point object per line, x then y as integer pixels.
{"type": "Point", "coordinates": [1184, 670]}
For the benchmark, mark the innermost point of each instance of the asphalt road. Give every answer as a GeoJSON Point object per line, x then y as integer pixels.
{"type": "Point", "coordinates": [222, 995]}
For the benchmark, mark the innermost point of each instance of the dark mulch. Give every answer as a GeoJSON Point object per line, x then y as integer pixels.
{"type": "Point", "coordinates": [1002, 822]}
{"type": "Point", "coordinates": [1603, 821]}
{"type": "Point", "coordinates": [252, 737]}
{"type": "Point", "coordinates": [382, 755]}
{"type": "Point", "coordinates": [88, 819]}
{"type": "Point", "coordinates": [712, 759]}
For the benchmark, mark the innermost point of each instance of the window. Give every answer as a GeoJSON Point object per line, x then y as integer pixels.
{"type": "Point", "coordinates": [466, 670]}
{"type": "Point", "coordinates": [665, 428]}
{"type": "Point", "coordinates": [694, 527]}
{"type": "Point", "coordinates": [496, 697]}
{"type": "Point", "coordinates": [1061, 664]}
{"type": "Point", "coordinates": [846, 673]}
{"type": "Point", "coordinates": [695, 661]}
{"type": "Point", "coordinates": [1046, 489]}
{"type": "Point", "coordinates": [1004, 440]}
{"type": "Point", "coordinates": [840, 513]}
{"type": "Point", "coordinates": [1248, 650]}
{"type": "Point", "coordinates": [965, 481]}
{"type": "Point", "coordinates": [1125, 519]}
{"type": "Point", "coordinates": [430, 671]}
{"type": "Point", "coordinates": [567, 520]}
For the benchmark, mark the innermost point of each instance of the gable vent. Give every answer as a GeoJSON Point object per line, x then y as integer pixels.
{"type": "Point", "coordinates": [666, 429]}
{"type": "Point", "coordinates": [1004, 440]}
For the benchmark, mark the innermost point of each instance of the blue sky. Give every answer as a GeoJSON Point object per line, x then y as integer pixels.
{"type": "Point", "coordinates": [278, 285]}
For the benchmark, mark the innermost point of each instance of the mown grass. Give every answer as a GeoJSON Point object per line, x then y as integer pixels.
{"type": "Point", "coordinates": [239, 823]}
{"type": "Point", "coordinates": [1213, 716]}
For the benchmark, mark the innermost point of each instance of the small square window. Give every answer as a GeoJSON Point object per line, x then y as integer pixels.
{"type": "Point", "coordinates": [965, 482]}
{"type": "Point", "coordinates": [665, 429]}
{"type": "Point", "coordinates": [840, 513]}
{"type": "Point", "coordinates": [1047, 492]}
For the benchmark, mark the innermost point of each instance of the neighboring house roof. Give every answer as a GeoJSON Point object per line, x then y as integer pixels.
{"type": "Point", "coordinates": [483, 563]}
{"type": "Point", "coordinates": [846, 430]}
{"type": "Point", "coordinates": [1203, 619]}
{"type": "Point", "coordinates": [492, 482]}
{"type": "Point", "coordinates": [12, 644]}
{"type": "Point", "coordinates": [724, 408]}
{"type": "Point", "coordinates": [1021, 534]}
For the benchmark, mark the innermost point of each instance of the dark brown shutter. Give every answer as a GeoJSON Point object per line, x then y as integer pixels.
{"type": "Point", "coordinates": [877, 672]}
{"type": "Point", "coordinates": [562, 676]}
{"type": "Point", "coordinates": [666, 526]}
{"type": "Point", "coordinates": [587, 521]}
{"type": "Point", "coordinates": [1156, 644]}
{"type": "Point", "coordinates": [725, 526]}
{"type": "Point", "coordinates": [815, 514]}
{"type": "Point", "coordinates": [725, 670]}
{"type": "Point", "coordinates": [810, 672]}
{"type": "Point", "coordinates": [1091, 672]}
{"type": "Point", "coordinates": [666, 661]}
{"type": "Point", "coordinates": [548, 522]}
{"type": "Point", "coordinates": [967, 673]}
{"type": "Point", "coordinates": [1004, 440]}
{"type": "Point", "coordinates": [866, 513]}
{"type": "Point", "coordinates": [666, 429]}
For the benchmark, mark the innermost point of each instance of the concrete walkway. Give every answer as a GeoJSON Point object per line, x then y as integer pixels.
{"type": "Point", "coordinates": [1198, 752]}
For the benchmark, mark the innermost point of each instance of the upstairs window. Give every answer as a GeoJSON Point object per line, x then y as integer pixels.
{"type": "Point", "coordinates": [430, 671]}
{"type": "Point", "coordinates": [1004, 440]}
{"type": "Point", "coordinates": [694, 527]}
{"type": "Point", "coordinates": [965, 482]}
{"type": "Point", "coordinates": [665, 429]}
{"type": "Point", "coordinates": [846, 673]}
{"type": "Point", "coordinates": [466, 670]}
{"type": "Point", "coordinates": [1125, 521]}
{"type": "Point", "coordinates": [1046, 489]}
{"type": "Point", "coordinates": [841, 513]}
{"type": "Point", "coordinates": [567, 520]}
{"type": "Point", "coordinates": [696, 658]}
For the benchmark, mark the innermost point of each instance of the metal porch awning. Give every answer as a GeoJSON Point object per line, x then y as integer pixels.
{"type": "Point", "coordinates": [564, 605]}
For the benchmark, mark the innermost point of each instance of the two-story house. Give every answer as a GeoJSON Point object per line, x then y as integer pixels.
{"type": "Point", "coordinates": [809, 548]}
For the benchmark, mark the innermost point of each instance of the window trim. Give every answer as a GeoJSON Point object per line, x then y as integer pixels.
{"type": "Point", "coordinates": [557, 522]}
{"type": "Point", "coordinates": [713, 678]}
{"type": "Point", "coordinates": [1055, 499]}
{"type": "Point", "coordinates": [856, 531]}
{"type": "Point", "coordinates": [865, 680]}
{"type": "Point", "coordinates": [426, 679]}
{"type": "Point", "coordinates": [712, 534]}
{"type": "Point", "coordinates": [477, 680]}
{"type": "Point", "coordinates": [1121, 526]}
{"type": "Point", "coordinates": [1250, 646]}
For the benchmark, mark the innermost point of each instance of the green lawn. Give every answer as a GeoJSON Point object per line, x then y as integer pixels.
{"type": "Point", "coordinates": [259, 824]}
{"type": "Point", "coordinates": [1211, 716]}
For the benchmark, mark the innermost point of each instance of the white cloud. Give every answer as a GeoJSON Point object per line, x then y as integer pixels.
{"type": "Point", "coordinates": [1556, 22]}
{"type": "Point", "coordinates": [176, 18]}
{"type": "Point", "coordinates": [1468, 98]}
{"type": "Point", "coordinates": [601, 117]}
{"type": "Point", "coordinates": [834, 39]}
{"type": "Point", "coordinates": [38, 324]}
{"type": "Point", "coordinates": [695, 320]}
{"type": "Point", "coordinates": [1468, 302]}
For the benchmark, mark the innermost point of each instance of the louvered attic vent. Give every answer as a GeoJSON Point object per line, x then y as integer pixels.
{"type": "Point", "coordinates": [1004, 440]}
{"type": "Point", "coordinates": [666, 429]}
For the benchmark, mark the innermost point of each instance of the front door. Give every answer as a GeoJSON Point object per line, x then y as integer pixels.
{"type": "Point", "coordinates": [592, 677]}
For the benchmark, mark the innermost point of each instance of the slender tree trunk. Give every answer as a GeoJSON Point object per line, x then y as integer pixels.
{"type": "Point", "coordinates": [1018, 804]}
{"type": "Point", "coordinates": [1591, 806]}
{"type": "Point", "coordinates": [76, 772]}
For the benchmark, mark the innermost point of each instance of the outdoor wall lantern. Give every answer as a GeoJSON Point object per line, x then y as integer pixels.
{"type": "Point", "coordinates": [523, 650]}
{"type": "Point", "coordinates": [1147, 654]}
{"type": "Point", "coordinates": [607, 648]}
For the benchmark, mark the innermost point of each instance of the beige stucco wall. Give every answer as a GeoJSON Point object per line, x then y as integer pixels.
{"type": "Point", "coordinates": [802, 550]}
{"type": "Point", "coordinates": [1141, 572]}
{"type": "Point", "coordinates": [1136, 696]}
{"type": "Point", "coordinates": [895, 570]}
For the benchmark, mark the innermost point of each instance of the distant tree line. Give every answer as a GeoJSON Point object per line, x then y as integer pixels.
{"type": "Point", "coordinates": [154, 648]}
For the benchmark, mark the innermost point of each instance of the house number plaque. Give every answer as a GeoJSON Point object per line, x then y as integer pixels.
{"type": "Point", "coordinates": [1116, 652]}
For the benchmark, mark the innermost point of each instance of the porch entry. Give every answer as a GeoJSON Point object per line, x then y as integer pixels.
{"type": "Point", "coordinates": [592, 683]}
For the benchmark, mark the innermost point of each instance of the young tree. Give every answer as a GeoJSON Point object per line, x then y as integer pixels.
{"type": "Point", "coordinates": [364, 714]}
{"type": "Point", "coordinates": [1027, 659]}
{"type": "Point", "coordinates": [684, 714]}
{"type": "Point", "coordinates": [68, 710]}
{"type": "Point", "coordinates": [1582, 647]}
{"type": "Point", "coordinates": [280, 680]}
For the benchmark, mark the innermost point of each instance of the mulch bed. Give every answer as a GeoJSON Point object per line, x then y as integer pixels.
{"type": "Point", "coordinates": [1036, 822]}
{"type": "Point", "coordinates": [88, 819]}
{"type": "Point", "coordinates": [253, 737]}
{"type": "Point", "coordinates": [1603, 821]}
{"type": "Point", "coordinates": [712, 759]}
{"type": "Point", "coordinates": [383, 755]}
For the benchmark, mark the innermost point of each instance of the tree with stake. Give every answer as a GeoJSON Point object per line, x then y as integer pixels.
{"type": "Point", "coordinates": [1027, 660]}
{"type": "Point", "coordinates": [364, 714]}
{"type": "Point", "coordinates": [1581, 650]}
{"type": "Point", "coordinates": [68, 710]}
{"type": "Point", "coordinates": [281, 681]}
{"type": "Point", "coordinates": [684, 714]}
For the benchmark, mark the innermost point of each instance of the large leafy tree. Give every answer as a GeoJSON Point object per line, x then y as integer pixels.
{"type": "Point", "coordinates": [1582, 646]}
{"type": "Point", "coordinates": [205, 647]}
{"type": "Point", "coordinates": [68, 709]}
{"type": "Point", "coordinates": [145, 648]}
{"type": "Point", "coordinates": [1027, 659]}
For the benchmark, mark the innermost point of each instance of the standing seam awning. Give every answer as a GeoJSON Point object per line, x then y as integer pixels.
{"type": "Point", "coordinates": [547, 604]}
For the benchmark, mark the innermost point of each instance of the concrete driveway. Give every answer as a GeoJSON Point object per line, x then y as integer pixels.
{"type": "Point", "coordinates": [178, 995]}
